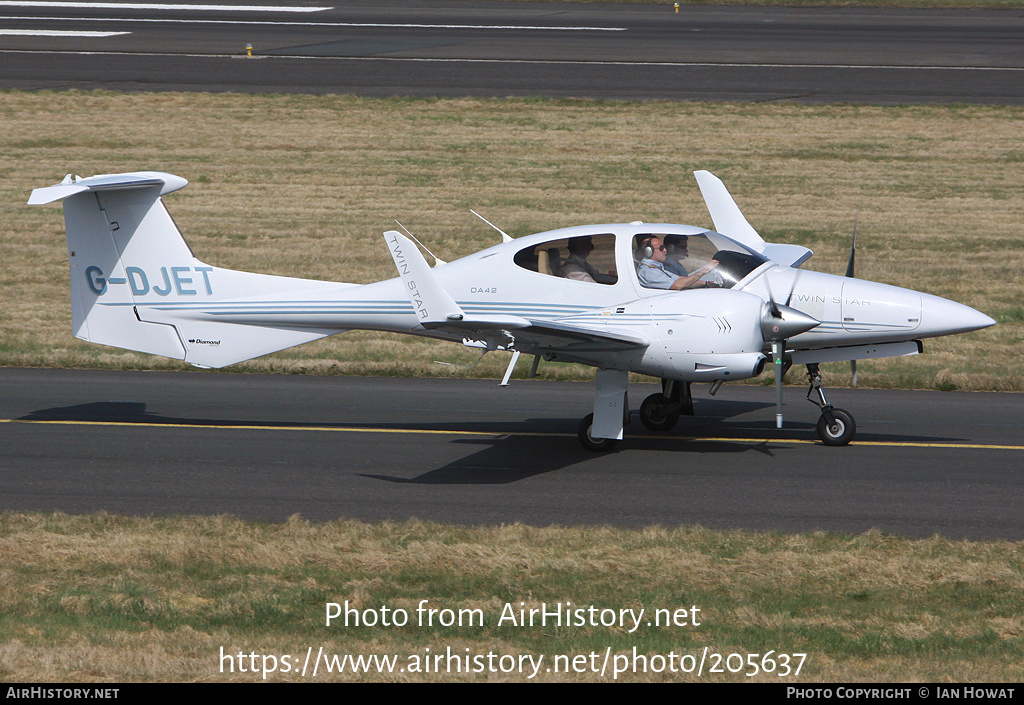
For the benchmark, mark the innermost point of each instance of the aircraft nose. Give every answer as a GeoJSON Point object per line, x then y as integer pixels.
{"type": "Point", "coordinates": [944, 317]}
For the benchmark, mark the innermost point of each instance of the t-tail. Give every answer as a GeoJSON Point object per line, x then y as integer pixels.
{"type": "Point", "coordinates": [135, 284]}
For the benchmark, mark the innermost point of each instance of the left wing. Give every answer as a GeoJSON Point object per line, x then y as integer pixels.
{"type": "Point", "coordinates": [438, 311]}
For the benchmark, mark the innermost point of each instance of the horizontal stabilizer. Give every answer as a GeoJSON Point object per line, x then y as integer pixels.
{"type": "Point", "coordinates": [107, 182]}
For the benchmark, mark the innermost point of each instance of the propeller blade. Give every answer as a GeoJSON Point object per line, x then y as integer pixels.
{"type": "Point", "coordinates": [774, 307]}
{"type": "Point", "coordinates": [849, 273]}
{"type": "Point", "coordinates": [853, 247]}
{"type": "Point", "coordinates": [792, 287]}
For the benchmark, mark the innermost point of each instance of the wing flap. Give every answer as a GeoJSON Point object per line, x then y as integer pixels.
{"type": "Point", "coordinates": [538, 337]}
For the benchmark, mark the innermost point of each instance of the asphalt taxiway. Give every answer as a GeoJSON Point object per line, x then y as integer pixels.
{"type": "Point", "coordinates": [439, 48]}
{"type": "Point", "coordinates": [467, 451]}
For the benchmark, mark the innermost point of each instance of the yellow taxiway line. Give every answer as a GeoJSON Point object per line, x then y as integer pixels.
{"type": "Point", "coordinates": [443, 432]}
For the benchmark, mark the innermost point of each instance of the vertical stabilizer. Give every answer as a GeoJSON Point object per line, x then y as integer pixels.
{"type": "Point", "coordinates": [102, 216]}
{"type": "Point", "coordinates": [135, 284]}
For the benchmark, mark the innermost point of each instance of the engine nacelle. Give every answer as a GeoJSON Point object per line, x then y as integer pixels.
{"type": "Point", "coordinates": [708, 334]}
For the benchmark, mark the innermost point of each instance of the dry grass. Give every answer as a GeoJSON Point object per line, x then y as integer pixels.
{"type": "Point", "coordinates": [104, 598]}
{"type": "Point", "coordinates": [304, 185]}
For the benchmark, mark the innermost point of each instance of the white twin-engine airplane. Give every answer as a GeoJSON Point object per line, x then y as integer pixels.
{"type": "Point", "coordinates": [596, 294]}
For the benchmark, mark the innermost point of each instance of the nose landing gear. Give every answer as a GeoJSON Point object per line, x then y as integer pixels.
{"type": "Point", "coordinates": [836, 427]}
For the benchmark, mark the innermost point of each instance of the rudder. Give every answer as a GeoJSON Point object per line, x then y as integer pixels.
{"type": "Point", "coordinates": [111, 220]}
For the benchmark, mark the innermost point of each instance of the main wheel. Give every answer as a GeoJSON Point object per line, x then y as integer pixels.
{"type": "Point", "coordinates": [841, 432]}
{"type": "Point", "coordinates": [657, 415]}
{"type": "Point", "coordinates": [601, 445]}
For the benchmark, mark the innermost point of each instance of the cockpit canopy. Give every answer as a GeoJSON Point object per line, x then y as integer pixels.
{"type": "Point", "coordinates": [592, 257]}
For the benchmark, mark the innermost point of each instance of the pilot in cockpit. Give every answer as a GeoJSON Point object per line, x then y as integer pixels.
{"type": "Point", "coordinates": [656, 272]}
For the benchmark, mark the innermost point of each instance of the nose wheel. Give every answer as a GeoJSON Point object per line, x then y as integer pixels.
{"type": "Point", "coordinates": [837, 431]}
{"type": "Point", "coordinates": [836, 427]}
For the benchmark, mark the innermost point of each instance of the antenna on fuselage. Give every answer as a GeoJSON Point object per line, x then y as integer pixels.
{"type": "Point", "coordinates": [505, 237]}
{"type": "Point", "coordinates": [437, 260]}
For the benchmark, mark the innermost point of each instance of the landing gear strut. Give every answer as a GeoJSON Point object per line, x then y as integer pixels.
{"type": "Point", "coordinates": [661, 412]}
{"type": "Point", "coordinates": [836, 427]}
{"type": "Point", "coordinates": [602, 430]}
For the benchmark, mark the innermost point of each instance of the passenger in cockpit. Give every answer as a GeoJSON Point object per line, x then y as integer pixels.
{"type": "Point", "coordinates": [655, 274]}
{"type": "Point", "coordinates": [675, 252]}
{"type": "Point", "coordinates": [577, 267]}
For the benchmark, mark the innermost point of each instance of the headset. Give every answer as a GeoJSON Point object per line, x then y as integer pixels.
{"type": "Point", "coordinates": [646, 250]}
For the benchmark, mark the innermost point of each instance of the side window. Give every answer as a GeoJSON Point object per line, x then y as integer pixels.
{"type": "Point", "coordinates": [588, 258]}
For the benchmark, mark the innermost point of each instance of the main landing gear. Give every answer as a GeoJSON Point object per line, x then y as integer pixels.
{"type": "Point", "coordinates": [599, 445]}
{"type": "Point", "coordinates": [835, 427]}
{"type": "Point", "coordinates": [602, 430]}
{"type": "Point", "coordinates": [661, 412]}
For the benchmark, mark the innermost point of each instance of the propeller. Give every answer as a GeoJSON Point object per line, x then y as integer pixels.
{"type": "Point", "coordinates": [779, 322]}
{"type": "Point", "coordinates": [849, 273]}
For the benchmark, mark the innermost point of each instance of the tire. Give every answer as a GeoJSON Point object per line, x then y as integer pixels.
{"type": "Point", "coordinates": [839, 434]}
{"type": "Point", "coordinates": [598, 445]}
{"type": "Point", "coordinates": [655, 413]}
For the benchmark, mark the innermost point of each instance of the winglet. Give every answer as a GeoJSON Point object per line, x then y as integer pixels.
{"type": "Point", "coordinates": [730, 221]}
{"type": "Point", "coordinates": [725, 213]}
{"type": "Point", "coordinates": [433, 305]}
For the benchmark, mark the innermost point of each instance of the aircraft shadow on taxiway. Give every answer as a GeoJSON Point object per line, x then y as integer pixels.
{"type": "Point", "coordinates": [519, 449]}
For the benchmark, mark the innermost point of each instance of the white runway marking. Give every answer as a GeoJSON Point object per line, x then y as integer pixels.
{"type": "Point", "coordinates": [57, 33]}
{"type": "Point", "coordinates": [141, 6]}
{"type": "Point", "coordinates": [389, 25]}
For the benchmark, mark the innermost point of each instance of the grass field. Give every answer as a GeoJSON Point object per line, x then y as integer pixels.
{"type": "Point", "coordinates": [305, 185]}
{"type": "Point", "coordinates": [112, 599]}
